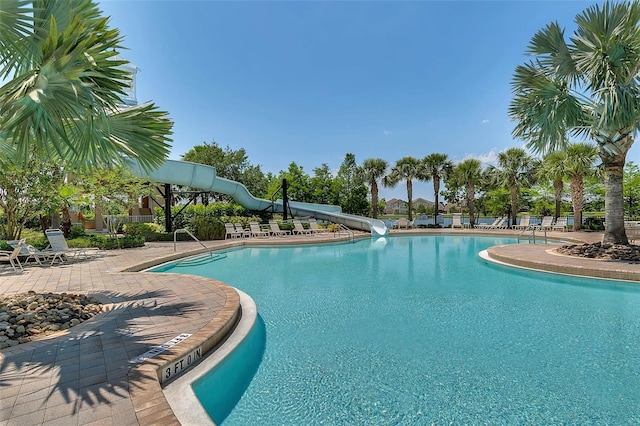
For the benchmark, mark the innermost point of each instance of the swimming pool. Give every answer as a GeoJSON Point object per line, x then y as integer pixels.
{"type": "Point", "coordinates": [419, 330]}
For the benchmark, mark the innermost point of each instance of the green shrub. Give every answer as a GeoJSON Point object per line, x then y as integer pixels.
{"type": "Point", "coordinates": [109, 243]}
{"type": "Point", "coordinates": [207, 228]}
{"type": "Point", "coordinates": [76, 231]}
{"type": "Point", "coordinates": [137, 228]}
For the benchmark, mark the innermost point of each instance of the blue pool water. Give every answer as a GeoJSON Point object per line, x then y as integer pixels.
{"type": "Point", "coordinates": [419, 330]}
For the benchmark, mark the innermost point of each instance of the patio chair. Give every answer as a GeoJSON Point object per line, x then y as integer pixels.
{"type": "Point", "coordinates": [299, 229]}
{"type": "Point", "coordinates": [276, 231]}
{"type": "Point", "coordinates": [313, 225]}
{"type": "Point", "coordinates": [242, 231]}
{"type": "Point", "coordinates": [561, 224]}
{"type": "Point", "coordinates": [28, 252]}
{"type": "Point", "coordinates": [256, 231]}
{"type": "Point", "coordinates": [457, 222]}
{"type": "Point", "coordinates": [12, 256]}
{"type": "Point", "coordinates": [230, 231]}
{"type": "Point", "coordinates": [59, 248]}
{"type": "Point", "coordinates": [489, 226]}
{"type": "Point", "coordinates": [546, 224]}
{"type": "Point", "coordinates": [405, 223]}
{"type": "Point", "coordinates": [524, 223]}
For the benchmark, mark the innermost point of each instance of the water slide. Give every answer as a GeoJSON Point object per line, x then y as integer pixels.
{"type": "Point", "coordinates": [204, 177]}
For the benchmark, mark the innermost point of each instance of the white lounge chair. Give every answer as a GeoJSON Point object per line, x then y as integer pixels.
{"type": "Point", "coordinates": [256, 231]}
{"type": "Point", "coordinates": [12, 256]}
{"type": "Point", "coordinates": [59, 248]}
{"type": "Point", "coordinates": [313, 225]}
{"type": "Point", "coordinates": [30, 252]}
{"type": "Point", "coordinates": [276, 231]}
{"type": "Point", "coordinates": [242, 231]}
{"type": "Point", "coordinates": [524, 223]}
{"type": "Point", "coordinates": [457, 222]}
{"type": "Point", "coordinates": [561, 224]}
{"type": "Point", "coordinates": [489, 226]}
{"type": "Point", "coordinates": [405, 223]}
{"type": "Point", "coordinates": [300, 230]}
{"type": "Point", "coordinates": [546, 224]}
{"type": "Point", "coordinates": [230, 231]}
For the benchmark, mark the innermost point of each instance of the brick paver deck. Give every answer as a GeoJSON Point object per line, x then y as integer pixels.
{"type": "Point", "coordinates": [86, 375]}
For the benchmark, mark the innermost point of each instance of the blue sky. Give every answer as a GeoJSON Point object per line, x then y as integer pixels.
{"type": "Point", "coordinates": [309, 81]}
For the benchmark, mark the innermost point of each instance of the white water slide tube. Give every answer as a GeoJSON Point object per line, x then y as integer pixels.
{"type": "Point", "coordinates": [204, 177]}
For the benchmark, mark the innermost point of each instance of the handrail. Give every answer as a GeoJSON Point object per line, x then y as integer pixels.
{"type": "Point", "coordinates": [186, 231]}
{"type": "Point", "coordinates": [533, 229]}
{"type": "Point", "coordinates": [349, 232]}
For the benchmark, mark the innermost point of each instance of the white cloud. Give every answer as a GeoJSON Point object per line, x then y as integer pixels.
{"type": "Point", "coordinates": [485, 121]}
{"type": "Point", "coordinates": [486, 158]}
{"type": "Point", "coordinates": [387, 132]}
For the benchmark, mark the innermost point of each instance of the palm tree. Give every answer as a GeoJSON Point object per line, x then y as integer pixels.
{"type": "Point", "coordinates": [469, 174]}
{"type": "Point", "coordinates": [516, 169]}
{"type": "Point", "coordinates": [407, 169]}
{"type": "Point", "coordinates": [64, 89]}
{"type": "Point", "coordinates": [552, 167]}
{"type": "Point", "coordinates": [587, 87]}
{"type": "Point", "coordinates": [374, 169]}
{"type": "Point", "coordinates": [438, 166]}
{"type": "Point", "coordinates": [579, 163]}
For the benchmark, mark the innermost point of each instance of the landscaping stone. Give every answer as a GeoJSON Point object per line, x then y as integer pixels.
{"type": "Point", "coordinates": [26, 316]}
{"type": "Point", "coordinates": [621, 252]}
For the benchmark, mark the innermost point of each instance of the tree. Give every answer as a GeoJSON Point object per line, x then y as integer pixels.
{"type": "Point", "coordinates": [468, 174]}
{"type": "Point", "coordinates": [632, 187]}
{"type": "Point", "coordinates": [322, 185]}
{"type": "Point", "coordinates": [298, 183]}
{"type": "Point", "coordinates": [373, 170]}
{"type": "Point", "coordinates": [579, 162]}
{"type": "Point", "coordinates": [349, 187]}
{"type": "Point", "coordinates": [438, 167]}
{"type": "Point", "coordinates": [587, 87]}
{"type": "Point", "coordinates": [552, 168]}
{"type": "Point", "coordinates": [64, 86]}
{"type": "Point", "coordinates": [407, 169]}
{"type": "Point", "coordinates": [515, 170]}
{"type": "Point", "coordinates": [229, 164]}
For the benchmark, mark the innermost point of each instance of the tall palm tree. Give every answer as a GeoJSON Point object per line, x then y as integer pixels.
{"type": "Point", "coordinates": [579, 163]}
{"type": "Point", "coordinates": [438, 166]}
{"type": "Point", "coordinates": [469, 174]}
{"type": "Point", "coordinates": [407, 169]}
{"type": "Point", "coordinates": [64, 88]}
{"type": "Point", "coordinates": [374, 169]}
{"type": "Point", "coordinates": [587, 86]}
{"type": "Point", "coordinates": [516, 169]}
{"type": "Point", "coordinates": [552, 168]}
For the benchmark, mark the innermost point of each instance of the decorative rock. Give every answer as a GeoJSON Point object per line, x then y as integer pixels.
{"type": "Point", "coordinates": [627, 253]}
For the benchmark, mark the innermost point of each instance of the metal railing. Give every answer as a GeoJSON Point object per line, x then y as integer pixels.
{"type": "Point", "coordinates": [532, 233]}
{"type": "Point", "coordinates": [343, 228]}
{"type": "Point", "coordinates": [186, 231]}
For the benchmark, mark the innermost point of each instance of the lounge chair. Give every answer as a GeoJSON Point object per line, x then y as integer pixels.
{"type": "Point", "coordinates": [59, 248]}
{"type": "Point", "coordinates": [524, 223]}
{"type": "Point", "coordinates": [546, 224]}
{"type": "Point", "coordinates": [242, 231]}
{"type": "Point", "coordinates": [299, 229]}
{"type": "Point", "coordinates": [457, 222]}
{"type": "Point", "coordinates": [12, 256]}
{"type": "Point", "coordinates": [313, 225]}
{"type": "Point", "coordinates": [561, 224]}
{"type": "Point", "coordinates": [231, 232]}
{"type": "Point", "coordinates": [30, 252]}
{"type": "Point", "coordinates": [256, 231]}
{"type": "Point", "coordinates": [405, 223]}
{"type": "Point", "coordinates": [276, 231]}
{"type": "Point", "coordinates": [489, 226]}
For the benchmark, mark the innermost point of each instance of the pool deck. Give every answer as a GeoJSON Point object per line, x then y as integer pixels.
{"type": "Point", "coordinates": [90, 374]}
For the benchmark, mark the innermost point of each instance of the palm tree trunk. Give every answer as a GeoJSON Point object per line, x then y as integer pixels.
{"type": "Point", "coordinates": [558, 187]}
{"type": "Point", "coordinates": [436, 189]}
{"type": "Point", "coordinates": [374, 199]}
{"type": "Point", "coordinates": [409, 196]}
{"type": "Point", "coordinates": [614, 202]}
{"type": "Point", "coordinates": [470, 203]}
{"type": "Point", "coordinates": [577, 199]}
{"type": "Point", "coordinates": [514, 204]}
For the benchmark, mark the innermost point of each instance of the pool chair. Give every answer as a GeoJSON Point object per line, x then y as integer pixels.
{"type": "Point", "coordinates": [457, 221]}
{"type": "Point", "coordinates": [560, 225]}
{"type": "Point", "coordinates": [12, 256]}
{"type": "Point", "coordinates": [313, 225]}
{"type": "Point", "coordinates": [546, 224]}
{"type": "Point", "coordinates": [256, 231]}
{"type": "Point", "coordinates": [276, 231]}
{"type": "Point", "coordinates": [59, 248]}
{"type": "Point", "coordinates": [299, 229]}
{"type": "Point", "coordinates": [28, 252]}
{"type": "Point", "coordinates": [524, 223]}
{"type": "Point", "coordinates": [230, 231]}
{"type": "Point", "coordinates": [490, 226]}
{"type": "Point", "coordinates": [242, 231]}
